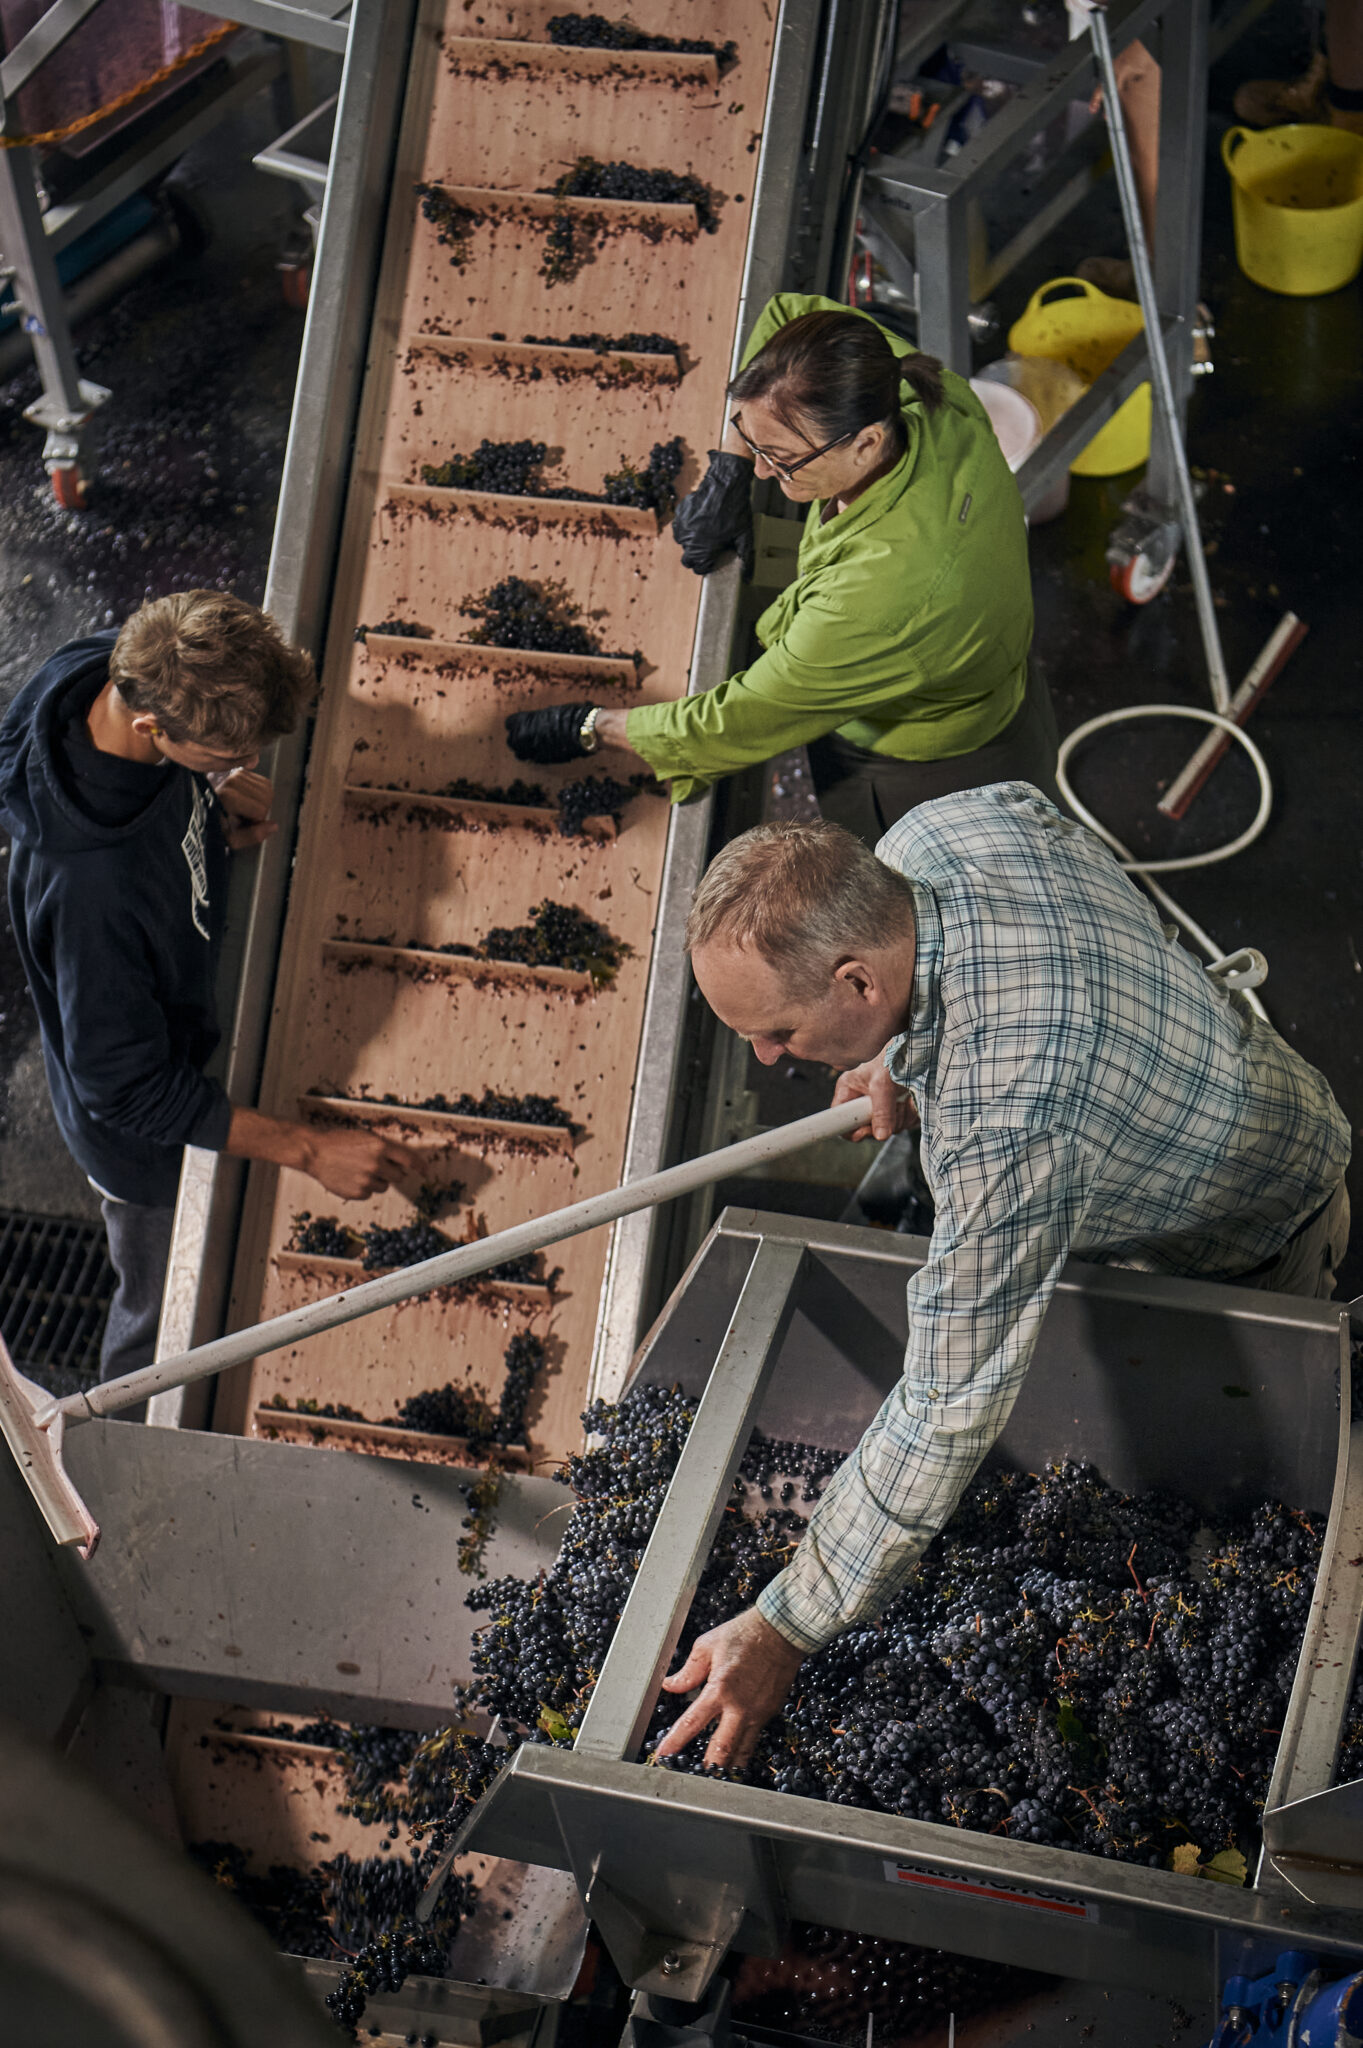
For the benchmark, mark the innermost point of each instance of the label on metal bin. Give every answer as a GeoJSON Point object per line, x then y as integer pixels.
{"type": "Point", "coordinates": [994, 1891]}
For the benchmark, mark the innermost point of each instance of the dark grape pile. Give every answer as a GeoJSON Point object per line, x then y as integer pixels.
{"type": "Point", "coordinates": [1055, 1670]}
{"type": "Point", "coordinates": [324, 1411]}
{"type": "Point", "coordinates": [458, 1411]}
{"type": "Point", "coordinates": [322, 1237]}
{"type": "Point", "coordinates": [376, 1246]}
{"type": "Point", "coordinates": [604, 344]}
{"type": "Point", "coordinates": [595, 32]}
{"type": "Point", "coordinates": [540, 617]}
{"type": "Point", "coordinates": [515, 469]}
{"type": "Point", "coordinates": [599, 796]}
{"type": "Point", "coordinates": [510, 467]}
{"type": "Point", "coordinates": [497, 1108]}
{"type": "Point", "coordinates": [342, 1905]}
{"type": "Point", "coordinates": [453, 223]}
{"type": "Point", "coordinates": [590, 179]}
{"type": "Point", "coordinates": [401, 629]}
{"type": "Point", "coordinates": [653, 489]}
{"type": "Point", "coordinates": [530, 795]}
{"type": "Point", "coordinates": [558, 935]}
{"type": "Point", "coordinates": [827, 1983]}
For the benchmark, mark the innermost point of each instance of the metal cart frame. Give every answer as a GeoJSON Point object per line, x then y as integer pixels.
{"type": "Point", "coordinates": [799, 1329]}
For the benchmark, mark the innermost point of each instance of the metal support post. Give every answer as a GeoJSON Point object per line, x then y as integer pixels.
{"type": "Point", "coordinates": [943, 258]}
{"type": "Point", "coordinates": [68, 401]}
{"type": "Point", "coordinates": [623, 1697]}
{"type": "Point", "coordinates": [1178, 237]}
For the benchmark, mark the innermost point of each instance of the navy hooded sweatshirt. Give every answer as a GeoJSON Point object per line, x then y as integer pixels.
{"type": "Point", "coordinates": [119, 927]}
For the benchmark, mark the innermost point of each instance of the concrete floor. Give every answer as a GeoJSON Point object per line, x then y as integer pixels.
{"type": "Point", "coordinates": [201, 359]}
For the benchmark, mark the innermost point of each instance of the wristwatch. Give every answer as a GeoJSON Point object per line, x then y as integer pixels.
{"type": "Point", "coordinates": [586, 732]}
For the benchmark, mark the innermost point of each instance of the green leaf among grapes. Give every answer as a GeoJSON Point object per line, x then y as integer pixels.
{"type": "Point", "coordinates": [554, 1725]}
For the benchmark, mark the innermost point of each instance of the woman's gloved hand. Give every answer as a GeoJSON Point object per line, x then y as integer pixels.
{"type": "Point", "coordinates": [547, 736]}
{"type": "Point", "coordinates": [717, 516]}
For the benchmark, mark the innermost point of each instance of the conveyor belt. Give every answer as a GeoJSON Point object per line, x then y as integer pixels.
{"type": "Point", "coordinates": [492, 123]}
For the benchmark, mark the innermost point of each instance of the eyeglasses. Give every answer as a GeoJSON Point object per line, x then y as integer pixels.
{"type": "Point", "coordinates": [787, 470]}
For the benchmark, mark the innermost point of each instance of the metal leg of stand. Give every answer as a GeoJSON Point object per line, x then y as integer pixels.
{"type": "Point", "coordinates": [68, 401]}
{"type": "Point", "coordinates": [1178, 236]}
{"type": "Point", "coordinates": [943, 259]}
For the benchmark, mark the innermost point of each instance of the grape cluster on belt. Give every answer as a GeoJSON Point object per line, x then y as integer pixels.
{"type": "Point", "coordinates": [530, 795]}
{"type": "Point", "coordinates": [324, 1411]}
{"type": "Point", "coordinates": [515, 469]}
{"type": "Point", "coordinates": [605, 344]}
{"type": "Point", "coordinates": [376, 1245]}
{"type": "Point", "coordinates": [595, 32]}
{"type": "Point", "coordinates": [459, 1411]}
{"type": "Point", "coordinates": [496, 1108]}
{"type": "Point", "coordinates": [540, 617]}
{"type": "Point", "coordinates": [599, 796]}
{"type": "Point", "coordinates": [590, 179]}
{"type": "Point", "coordinates": [400, 629]}
{"type": "Point", "coordinates": [558, 935]}
{"type": "Point", "coordinates": [826, 1984]}
{"type": "Point", "coordinates": [453, 222]}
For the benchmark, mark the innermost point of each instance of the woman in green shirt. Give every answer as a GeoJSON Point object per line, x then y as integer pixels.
{"type": "Point", "coordinates": [899, 653]}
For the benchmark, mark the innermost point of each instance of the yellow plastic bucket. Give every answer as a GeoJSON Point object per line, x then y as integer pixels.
{"type": "Point", "coordinates": [1298, 200]}
{"type": "Point", "coordinates": [1072, 322]}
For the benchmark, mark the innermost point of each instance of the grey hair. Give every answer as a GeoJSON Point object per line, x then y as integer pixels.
{"type": "Point", "coordinates": [804, 897]}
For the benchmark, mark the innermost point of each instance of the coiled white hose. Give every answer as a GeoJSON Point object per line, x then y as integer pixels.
{"type": "Point", "coordinates": [1143, 870]}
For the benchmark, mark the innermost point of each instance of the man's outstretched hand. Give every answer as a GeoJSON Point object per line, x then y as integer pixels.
{"type": "Point", "coordinates": [745, 1669]}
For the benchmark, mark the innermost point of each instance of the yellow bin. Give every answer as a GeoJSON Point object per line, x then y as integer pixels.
{"type": "Point", "coordinates": [1298, 200]}
{"type": "Point", "coordinates": [1072, 322]}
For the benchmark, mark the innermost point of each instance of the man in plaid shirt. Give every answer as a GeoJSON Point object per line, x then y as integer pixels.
{"type": "Point", "coordinates": [1084, 1088]}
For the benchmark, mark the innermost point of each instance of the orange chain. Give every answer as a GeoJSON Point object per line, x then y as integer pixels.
{"type": "Point", "coordinates": [125, 99]}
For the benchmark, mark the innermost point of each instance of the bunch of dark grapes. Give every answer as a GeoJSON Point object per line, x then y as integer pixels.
{"type": "Point", "coordinates": [291, 1905]}
{"type": "Point", "coordinates": [826, 1984]}
{"type": "Point", "coordinates": [496, 1108]}
{"type": "Point", "coordinates": [527, 795]}
{"type": "Point", "coordinates": [509, 467]}
{"type": "Point", "coordinates": [322, 1237]}
{"type": "Point", "coordinates": [802, 1468]}
{"type": "Point", "coordinates": [652, 489]}
{"type": "Point", "coordinates": [558, 936]}
{"type": "Point", "coordinates": [406, 1245]}
{"type": "Point", "coordinates": [590, 179]}
{"type": "Point", "coordinates": [400, 629]}
{"type": "Point", "coordinates": [595, 32]}
{"type": "Point", "coordinates": [453, 222]}
{"type": "Point", "coordinates": [523, 1361]}
{"type": "Point", "coordinates": [540, 617]}
{"type": "Point", "coordinates": [605, 344]}
{"type": "Point", "coordinates": [599, 796]}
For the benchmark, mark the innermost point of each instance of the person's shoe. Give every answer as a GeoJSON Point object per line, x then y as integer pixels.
{"type": "Point", "coordinates": [1270, 102]}
{"type": "Point", "coordinates": [1112, 274]}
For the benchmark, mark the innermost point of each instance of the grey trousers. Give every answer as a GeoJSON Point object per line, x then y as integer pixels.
{"type": "Point", "coordinates": [869, 792]}
{"type": "Point", "coordinates": [139, 1246]}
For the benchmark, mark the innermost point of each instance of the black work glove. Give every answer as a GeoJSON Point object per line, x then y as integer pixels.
{"type": "Point", "coordinates": [718, 516]}
{"type": "Point", "coordinates": [547, 736]}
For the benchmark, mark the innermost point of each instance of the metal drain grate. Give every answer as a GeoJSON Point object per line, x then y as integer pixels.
{"type": "Point", "coordinates": [56, 1283]}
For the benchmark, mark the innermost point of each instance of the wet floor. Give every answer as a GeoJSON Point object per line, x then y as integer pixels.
{"type": "Point", "coordinates": [201, 359]}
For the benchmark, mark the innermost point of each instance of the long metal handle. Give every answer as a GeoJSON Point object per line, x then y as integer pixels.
{"type": "Point", "coordinates": [1159, 367]}
{"type": "Point", "coordinates": [464, 1263]}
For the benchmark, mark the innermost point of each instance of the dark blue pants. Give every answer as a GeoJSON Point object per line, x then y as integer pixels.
{"type": "Point", "coordinates": [139, 1246]}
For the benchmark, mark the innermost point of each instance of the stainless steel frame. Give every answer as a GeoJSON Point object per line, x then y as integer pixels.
{"type": "Point", "coordinates": [297, 593]}
{"type": "Point", "coordinates": [805, 1325]}
{"type": "Point", "coordinates": [936, 199]}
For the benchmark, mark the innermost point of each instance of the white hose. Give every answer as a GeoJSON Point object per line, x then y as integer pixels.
{"type": "Point", "coordinates": [1144, 869]}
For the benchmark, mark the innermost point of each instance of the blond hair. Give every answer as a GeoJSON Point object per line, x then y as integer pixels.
{"type": "Point", "coordinates": [803, 897]}
{"type": "Point", "coordinates": [214, 670]}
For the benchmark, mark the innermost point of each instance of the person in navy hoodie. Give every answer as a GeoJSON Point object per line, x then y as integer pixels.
{"type": "Point", "coordinates": [126, 784]}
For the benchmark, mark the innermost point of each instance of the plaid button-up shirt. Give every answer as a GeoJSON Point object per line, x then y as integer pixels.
{"type": "Point", "coordinates": [1084, 1088]}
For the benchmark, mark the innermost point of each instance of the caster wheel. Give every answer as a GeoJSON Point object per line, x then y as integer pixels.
{"type": "Point", "coordinates": [69, 487]}
{"type": "Point", "coordinates": [1140, 577]}
{"type": "Point", "coordinates": [295, 281]}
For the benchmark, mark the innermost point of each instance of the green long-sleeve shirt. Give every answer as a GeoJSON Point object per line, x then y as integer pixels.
{"type": "Point", "coordinates": [907, 626]}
